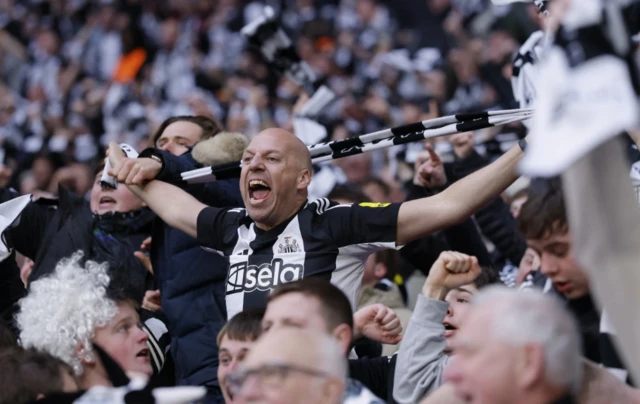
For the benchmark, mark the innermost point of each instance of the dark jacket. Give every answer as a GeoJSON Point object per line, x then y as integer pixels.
{"type": "Point", "coordinates": [588, 317]}
{"type": "Point", "coordinates": [192, 281]}
{"type": "Point", "coordinates": [376, 374]}
{"type": "Point", "coordinates": [463, 237]}
{"type": "Point", "coordinates": [11, 290]}
{"type": "Point", "coordinates": [51, 230]}
{"type": "Point", "coordinates": [495, 219]}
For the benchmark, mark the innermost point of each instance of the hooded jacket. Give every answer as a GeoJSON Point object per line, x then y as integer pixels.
{"type": "Point", "coordinates": [49, 230]}
{"type": "Point", "coordinates": [191, 281]}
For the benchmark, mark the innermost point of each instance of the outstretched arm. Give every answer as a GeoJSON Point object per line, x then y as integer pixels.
{"type": "Point", "coordinates": [422, 217]}
{"type": "Point", "coordinates": [177, 208]}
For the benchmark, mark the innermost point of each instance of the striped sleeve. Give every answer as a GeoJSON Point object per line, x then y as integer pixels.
{"type": "Point", "coordinates": [159, 338]}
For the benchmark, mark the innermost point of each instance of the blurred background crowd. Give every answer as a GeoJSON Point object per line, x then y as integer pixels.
{"type": "Point", "coordinates": [76, 74]}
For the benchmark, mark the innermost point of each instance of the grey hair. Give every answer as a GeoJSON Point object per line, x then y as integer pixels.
{"type": "Point", "coordinates": [62, 311]}
{"type": "Point", "coordinates": [536, 318]}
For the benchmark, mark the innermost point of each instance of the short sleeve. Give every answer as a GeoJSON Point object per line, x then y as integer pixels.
{"type": "Point", "coordinates": [372, 225]}
{"type": "Point", "coordinates": [216, 227]}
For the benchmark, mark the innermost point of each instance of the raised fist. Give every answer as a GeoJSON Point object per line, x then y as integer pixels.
{"type": "Point", "coordinates": [451, 270]}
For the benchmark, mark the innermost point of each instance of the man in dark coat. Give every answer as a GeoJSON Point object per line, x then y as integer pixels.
{"type": "Point", "coordinates": [191, 280]}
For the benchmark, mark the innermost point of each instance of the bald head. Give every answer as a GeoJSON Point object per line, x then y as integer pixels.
{"type": "Point", "coordinates": [275, 176]}
{"type": "Point", "coordinates": [290, 144]}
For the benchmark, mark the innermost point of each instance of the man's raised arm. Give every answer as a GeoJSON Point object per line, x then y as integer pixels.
{"type": "Point", "coordinates": [421, 217]}
{"type": "Point", "coordinates": [176, 207]}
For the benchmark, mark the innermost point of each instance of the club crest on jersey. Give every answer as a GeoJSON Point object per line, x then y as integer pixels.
{"type": "Point", "coordinates": [247, 278]}
{"type": "Point", "coordinates": [374, 205]}
{"type": "Point", "coordinates": [290, 246]}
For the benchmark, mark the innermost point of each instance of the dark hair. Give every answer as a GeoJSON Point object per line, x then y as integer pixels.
{"type": "Point", "coordinates": [29, 373]}
{"type": "Point", "coordinates": [335, 307]}
{"type": "Point", "coordinates": [544, 212]}
{"type": "Point", "coordinates": [347, 193]}
{"type": "Point", "coordinates": [210, 127]}
{"type": "Point", "coordinates": [244, 326]}
{"type": "Point", "coordinates": [391, 259]}
{"type": "Point", "coordinates": [127, 281]}
{"type": "Point", "coordinates": [7, 337]}
{"type": "Point", "coordinates": [488, 276]}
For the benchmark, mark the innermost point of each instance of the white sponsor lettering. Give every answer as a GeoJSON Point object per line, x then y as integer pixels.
{"type": "Point", "coordinates": [247, 278]}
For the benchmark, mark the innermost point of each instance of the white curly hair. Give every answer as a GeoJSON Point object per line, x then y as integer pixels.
{"type": "Point", "coordinates": [63, 310]}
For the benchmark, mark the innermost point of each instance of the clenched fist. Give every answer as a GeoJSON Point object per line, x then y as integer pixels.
{"type": "Point", "coordinates": [132, 171]}
{"type": "Point", "coordinates": [379, 323]}
{"type": "Point", "coordinates": [451, 270]}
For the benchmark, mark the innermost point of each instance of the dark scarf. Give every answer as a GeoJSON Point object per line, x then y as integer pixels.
{"type": "Point", "coordinates": [122, 223]}
{"type": "Point", "coordinates": [588, 316]}
{"type": "Point", "coordinates": [116, 236]}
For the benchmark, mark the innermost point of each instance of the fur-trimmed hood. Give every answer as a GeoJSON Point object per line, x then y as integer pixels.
{"type": "Point", "coordinates": [225, 147]}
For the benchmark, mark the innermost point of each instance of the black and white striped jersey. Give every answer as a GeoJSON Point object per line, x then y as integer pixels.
{"type": "Point", "coordinates": [323, 239]}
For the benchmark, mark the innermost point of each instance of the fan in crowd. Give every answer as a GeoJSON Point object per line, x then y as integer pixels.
{"type": "Point", "coordinates": [68, 312]}
{"type": "Point", "coordinates": [428, 272]}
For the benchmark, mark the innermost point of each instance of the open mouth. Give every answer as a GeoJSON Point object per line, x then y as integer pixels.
{"type": "Point", "coordinates": [228, 387]}
{"type": "Point", "coordinates": [258, 190]}
{"type": "Point", "coordinates": [449, 330]}
{"type": "Point", "coordinates": [562, 287]}
{"type": "Point", "coordinates": [107, 200]}
{"type": "Point", "coordinates": [144, 353]}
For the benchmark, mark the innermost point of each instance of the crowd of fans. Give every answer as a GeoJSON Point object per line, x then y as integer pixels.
{"type": "Point", "coordinates": [75, 75]}
{"type": "Point", "coordinates": [303, 296]}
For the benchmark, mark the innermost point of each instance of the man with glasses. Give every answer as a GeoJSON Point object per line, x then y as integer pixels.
{"type": "Point", "coordinates": [294, 366]}
{"type": "Point", "coordinates": [321, 308]}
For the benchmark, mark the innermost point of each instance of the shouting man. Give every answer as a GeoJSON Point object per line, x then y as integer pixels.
{"type": "Point", "coordinates": [280, 236]}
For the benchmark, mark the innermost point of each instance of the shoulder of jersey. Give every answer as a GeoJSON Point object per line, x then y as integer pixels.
{"type": "Point", "coordinates": [322, 205]}
{"type": "Point", "coordinates": [237, 210]}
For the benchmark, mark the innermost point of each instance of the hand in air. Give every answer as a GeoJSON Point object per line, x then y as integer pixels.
{"type": "Point", "coordinates": [151, 300]}
{"type": "Point", "coordinates": [429, 170]}
{"type": "Point", "coordinates": [144, 258]}
{"type": "Point", "coordinates": [379, 323]}
{"type": "Point", "coordinates": [463, 144]}
{"type": "Point", "coordinates": [451, 270]}
{"type": "Point", "coordinates": [131, 171]}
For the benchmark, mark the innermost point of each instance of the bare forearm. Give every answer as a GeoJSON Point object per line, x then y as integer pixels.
{"type": "Point", "coordinates": [177, 208]}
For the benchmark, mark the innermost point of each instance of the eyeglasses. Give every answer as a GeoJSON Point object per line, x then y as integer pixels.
{"type": "Point", "coordinates": [270, 375]}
